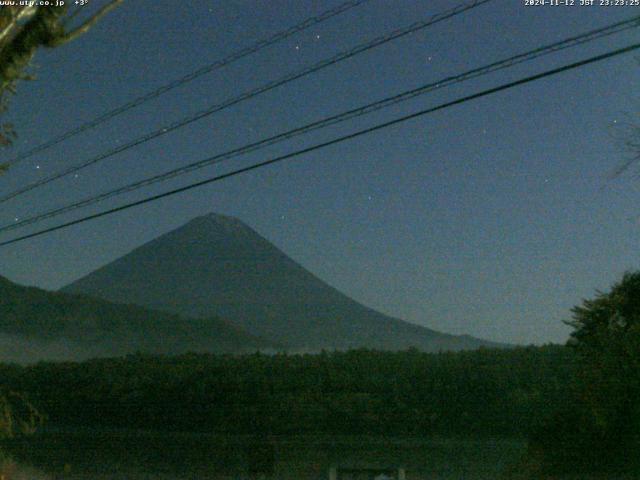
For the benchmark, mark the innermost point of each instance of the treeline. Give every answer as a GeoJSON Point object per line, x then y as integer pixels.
{"type": "Point", "coordinates": [484, 392]}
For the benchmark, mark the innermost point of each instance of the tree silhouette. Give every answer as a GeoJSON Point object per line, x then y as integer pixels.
{"type": "Point", "coordinates": [607, 337]}
{"type": "Point", "coordinates": [23, 30]}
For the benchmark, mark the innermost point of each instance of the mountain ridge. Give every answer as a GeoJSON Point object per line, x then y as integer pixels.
{"type": "Point", "coordinates": [36, 324]}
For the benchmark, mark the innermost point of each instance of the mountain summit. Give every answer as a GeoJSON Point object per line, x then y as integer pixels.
{"type": "Point", "coordinates": [217, 265]}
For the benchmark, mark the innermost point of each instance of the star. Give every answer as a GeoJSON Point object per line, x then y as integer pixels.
{"type": "Point", "coordinates": [37, 167]}
{"type": "Point", "coordinates": [297, 47]}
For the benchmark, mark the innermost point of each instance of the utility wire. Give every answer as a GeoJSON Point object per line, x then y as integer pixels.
{"type": "Point", "coordinates": [334, 141]}
{"type": "Point", "coordinates": [592, 35]}
{"type": "Point", "coordinates": [376, 42]}
{"type": "Point", "coordinates": [251, 49]}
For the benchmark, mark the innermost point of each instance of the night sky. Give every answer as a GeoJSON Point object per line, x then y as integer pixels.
{"type": "Point", "coordinates": [491, 218]}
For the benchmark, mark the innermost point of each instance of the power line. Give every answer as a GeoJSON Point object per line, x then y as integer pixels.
{"type": "Point", "coordinates": [376, 42]}
{"type": "Point", "coordinates": [251, 49]}
{"type": "Point", "coordinates": [618, 27]}
{"type": "Point", "coordinates": [334, 141]}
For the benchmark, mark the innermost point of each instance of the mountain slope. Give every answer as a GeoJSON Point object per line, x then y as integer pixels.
{"type": "Point", "coordinates": [217, 265]}
{"type": "Point", "coordinates": [37, 325]}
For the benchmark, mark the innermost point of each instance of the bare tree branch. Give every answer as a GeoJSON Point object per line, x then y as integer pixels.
{"type": "Point", "coordinates": [68, 18]}
{"type": "Point", "coordinates": [9, 29]}
{"type": "Point", "coordinates": [84, 28]}
{"type": "Point", "coordinates": [25, 29]}
{"type": "Point", "coordinates": [627, 136]}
